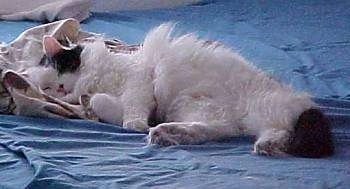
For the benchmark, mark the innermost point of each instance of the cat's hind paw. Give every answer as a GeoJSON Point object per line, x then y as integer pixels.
{"type": "Point", "coordinates": [168, 134]}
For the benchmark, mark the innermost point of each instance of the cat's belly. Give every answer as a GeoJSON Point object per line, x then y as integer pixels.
{"type": "Point", "coordinates": [190, 93]}
{"type": "Point", "coordinates": [195, 99]}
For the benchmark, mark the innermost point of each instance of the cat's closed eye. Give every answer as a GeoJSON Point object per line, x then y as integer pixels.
{"type": "Point", "coordinates": [46, 88]}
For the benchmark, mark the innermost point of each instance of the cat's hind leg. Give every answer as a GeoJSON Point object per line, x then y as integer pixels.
{"type": "Point", "coordinates": [176, 133]}
{"type": "Point", "coordinates": [193, 119]}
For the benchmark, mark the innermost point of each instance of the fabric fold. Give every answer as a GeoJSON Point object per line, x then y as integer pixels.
{"type": "Point", "coordinates": [47, 11]}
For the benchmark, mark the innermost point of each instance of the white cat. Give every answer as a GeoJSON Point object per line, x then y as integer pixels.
{"type": "Point", "coordinates": [197, 91]}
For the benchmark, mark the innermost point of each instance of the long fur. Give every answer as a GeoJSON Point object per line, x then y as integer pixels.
{"type": "Point", "coordinates": [187, 66]}
{"type": "Point", "coordinates": [195, 89]}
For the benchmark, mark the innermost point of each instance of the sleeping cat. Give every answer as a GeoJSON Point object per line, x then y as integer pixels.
{"type": "Point", "coordinates": [191, 90]}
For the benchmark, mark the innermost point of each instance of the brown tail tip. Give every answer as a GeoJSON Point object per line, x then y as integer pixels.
{"type": "Point", "coordinates": [312, 137]}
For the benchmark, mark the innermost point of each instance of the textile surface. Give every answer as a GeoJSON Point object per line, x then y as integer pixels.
{"type": "Point", "coordinates": [302, 43]}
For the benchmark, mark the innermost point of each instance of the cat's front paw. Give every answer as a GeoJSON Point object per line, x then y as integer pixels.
{"type": "Point", "coordinates": [137, 125]}
{"type": "Point", "coordinates": [168, 134]}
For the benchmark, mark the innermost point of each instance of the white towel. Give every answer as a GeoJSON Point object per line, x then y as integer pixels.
{"type": "Point", "coordinates": [44, 10]}
{"type": "Point", "coordinates": [120, 5]}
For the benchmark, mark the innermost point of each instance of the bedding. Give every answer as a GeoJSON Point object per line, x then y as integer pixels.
{"type": "Point", "coordinates": [46, 11]}
{"type": "Point", "coordinates": [303, 43]}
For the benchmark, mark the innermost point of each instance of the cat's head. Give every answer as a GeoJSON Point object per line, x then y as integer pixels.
{"type": "Point", "coordinates": [312, 136]}
{"type": "Point", "coordinates": [64, 59]}
{"type": "Point", "coordinates": [58, 70]}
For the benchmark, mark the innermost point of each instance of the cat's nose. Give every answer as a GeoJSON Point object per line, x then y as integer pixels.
{"type": "Point", "coordinates": [61, 89]}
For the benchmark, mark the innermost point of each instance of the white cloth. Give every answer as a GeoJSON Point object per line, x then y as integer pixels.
{"type": "Point", "coordinates": [27, 49]}
{"type": "Point", "coordinates": [44, 10]}
{"type": "Point", "coordinates": [52, 10]}
{"type": "Point", "coordinates": [119, 5]}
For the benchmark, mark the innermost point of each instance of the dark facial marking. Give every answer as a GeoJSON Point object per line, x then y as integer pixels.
{"type": "Point", "coordinates": [312, 137]}
{"type": "Point", "coordinates": [64, 61]}
{"type": "Point", "coordinates": [67, 60]}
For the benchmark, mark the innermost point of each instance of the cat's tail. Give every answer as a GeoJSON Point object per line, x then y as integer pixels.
{"type": "Point", "coordinates": [157, 42]}
{"type": "Point", "coordinates": [160, 34]}
{"type": "Point", "coordinates": [161, 44]}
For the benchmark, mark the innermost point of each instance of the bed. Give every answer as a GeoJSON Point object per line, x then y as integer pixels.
{"type": "Point", "coordinates": [303, 43]}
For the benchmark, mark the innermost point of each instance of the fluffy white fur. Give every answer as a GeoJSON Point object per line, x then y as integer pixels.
{"type": "Point", "coordinates": [198, 91]}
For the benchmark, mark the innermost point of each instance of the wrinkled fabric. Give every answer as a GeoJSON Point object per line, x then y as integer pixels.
{"type": "Point", "coordinates": [302, 43]}
{"type": "Point", "coordinates": [46, 11]}
{"type": "Point", "coordinates": [46, 153]}
{"type": "Point", "coordinates": [26, 51]}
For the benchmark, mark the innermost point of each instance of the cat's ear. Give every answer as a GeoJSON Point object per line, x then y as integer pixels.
{"type": "Point", "coordinates": [51, 46]}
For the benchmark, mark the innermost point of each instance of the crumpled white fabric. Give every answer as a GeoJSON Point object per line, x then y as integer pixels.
{"type": "Point", "coordinates": [23, 97]}
{"type": "Point", "coordinates": [27, 50]}
{"type": "Point", "coordinates": [121, 5]}
{"type": "Point", "coordinates": [45, 10]}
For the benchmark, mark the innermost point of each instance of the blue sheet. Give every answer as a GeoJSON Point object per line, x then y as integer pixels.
{"type": "Point", "coordinates": [303, 43]}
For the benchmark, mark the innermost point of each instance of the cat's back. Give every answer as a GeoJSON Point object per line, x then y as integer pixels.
{"type": "Point", "coordinates": [188, 70]}
{"type": "Point", "coordinates": [187, 63]}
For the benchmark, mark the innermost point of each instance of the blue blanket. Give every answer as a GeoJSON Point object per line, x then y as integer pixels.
{"type": "Point", "coordinates": [302, 43]}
